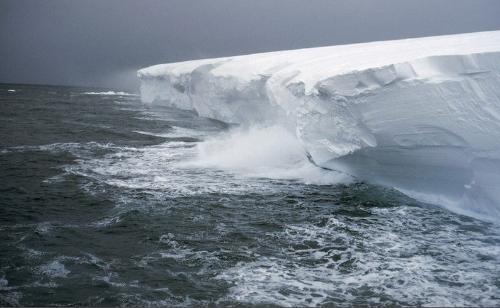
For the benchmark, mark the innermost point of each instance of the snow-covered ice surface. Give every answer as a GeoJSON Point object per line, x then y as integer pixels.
{"type": "Point", "coordinates": [421, 115]}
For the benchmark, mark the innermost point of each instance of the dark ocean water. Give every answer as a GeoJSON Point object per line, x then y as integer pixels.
{"type": "Point", "coordinates": [99, 206]}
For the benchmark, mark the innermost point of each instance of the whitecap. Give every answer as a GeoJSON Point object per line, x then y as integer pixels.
{"type": "Point", "coordinates": [54, 269]}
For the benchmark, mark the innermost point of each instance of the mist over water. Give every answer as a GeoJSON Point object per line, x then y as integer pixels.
{"type": "Point", "coordinates": [262, 151]}
{"type": "Point", "coordinates": [105, 201]}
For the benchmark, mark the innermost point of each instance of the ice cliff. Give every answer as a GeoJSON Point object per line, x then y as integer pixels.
{"type": "Point", "coordinates": [421, 115]}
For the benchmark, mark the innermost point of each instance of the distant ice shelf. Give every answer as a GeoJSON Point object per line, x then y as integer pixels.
{"type": "Point", "coordinates": [109, 93]}
{"type": "Point", "coordinates": [421, 115]}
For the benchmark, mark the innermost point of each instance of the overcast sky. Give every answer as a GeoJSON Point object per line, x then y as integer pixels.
{"type": "Point", "coordinates": [103, 42]}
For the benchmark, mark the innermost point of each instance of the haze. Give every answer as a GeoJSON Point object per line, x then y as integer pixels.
{"type": "Point", "coordinates": [103, 43]}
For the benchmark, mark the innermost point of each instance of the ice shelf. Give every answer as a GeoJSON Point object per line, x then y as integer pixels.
{"type": "Point", "coordinates": [421, 115]}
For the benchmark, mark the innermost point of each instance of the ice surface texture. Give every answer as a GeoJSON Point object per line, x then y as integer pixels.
{"type": "Point", "coordinates": [421, 115]}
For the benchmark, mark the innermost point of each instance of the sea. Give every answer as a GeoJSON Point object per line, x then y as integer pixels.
{"type": "Point", "coordinates": [107, 201]}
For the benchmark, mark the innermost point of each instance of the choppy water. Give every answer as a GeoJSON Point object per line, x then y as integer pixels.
{"type": "Point", "coordinates": [105, 201]}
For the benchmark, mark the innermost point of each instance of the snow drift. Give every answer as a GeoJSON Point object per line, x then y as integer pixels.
{"type": "Point", "coordinates": [421, 115]}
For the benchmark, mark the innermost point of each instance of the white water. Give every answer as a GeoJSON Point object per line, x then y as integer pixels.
{"type": "Point", "coordinates": [265, 152]}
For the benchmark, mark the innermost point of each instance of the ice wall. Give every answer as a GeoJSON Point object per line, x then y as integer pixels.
{"type": "Point", "coordinates": [421, 115]}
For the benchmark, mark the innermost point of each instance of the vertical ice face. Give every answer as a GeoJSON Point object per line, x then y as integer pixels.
{"type": "Point", "coordinates": [421, 115]}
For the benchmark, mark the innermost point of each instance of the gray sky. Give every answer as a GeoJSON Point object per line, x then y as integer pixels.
{"type": "Point", "coordinates": [103, 42]}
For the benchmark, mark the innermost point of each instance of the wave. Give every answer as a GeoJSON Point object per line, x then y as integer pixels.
{"type": "Point", "coordinates": [262, 152]}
